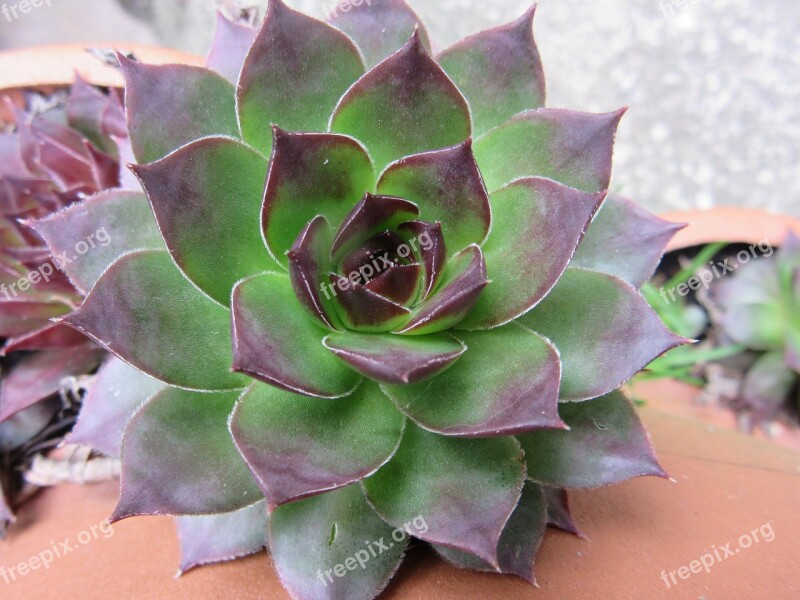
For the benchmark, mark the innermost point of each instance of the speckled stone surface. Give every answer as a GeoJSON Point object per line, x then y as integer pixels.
{"type": "Point", "coordinates": [713, 86]}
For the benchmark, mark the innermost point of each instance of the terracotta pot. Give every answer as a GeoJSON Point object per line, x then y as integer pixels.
{"type": "Point", "coordinates": [730, 224]}
{"type": "Point", "coordinates": [47, 68]}
{"type": "Point", "coordinates": [726, 485]}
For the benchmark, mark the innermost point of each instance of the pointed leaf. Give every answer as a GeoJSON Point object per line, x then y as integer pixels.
{"type": "Point", "coordinates": [178, 458]}
{"type": "Point", "coordinates": [606, 444]}
{"type": "Point", "coordinates": [396, 359]}
{"type": "Point", "coordinates": [448, 188]}
{"type": "Point", "coordinates": [333, 546]}
{"type": "Point", "coordinates": [536, 226]}
{"type": "Point", "coordinates": [520, 542]}
{"type": "Point", "coordinates": [361, 309]}
{"type": "Point", "coordinates": [379, 27]}
{"type": "Point", "coordinates": [465, 490]}
{"type": "Point", "coordinates": [310, 175]}
{"type": "Point", "coordinates": [219, 538]}
{"type": "Point", "coordinates": [232, 41]}
{"type": "Point", "coordinates": [405, 105]}
{"type": "Point", "coordinates": [95, 114]}
{"type": "Point", "coordinates": [105, 227]}
{"type": "Point", "coordinates": [171, 105]}
{"type": "Point", "coordinates": [461, 285]}
{"type": "Point", "coordinates": [398, 283]}
{"type": "Point", "coordinates": [570, 147]}
{"type": "Point", "coordinates": [485, 395]}
{"type": "Point", "coordinates": [626, 241]}
{"type": "Point", "coordinates": [276, 342]}
{"type": "Point", "coordinates": [294, 74]}
{"type": "Point", "coordinates": [42, 374]}
{"type": "Point", "coordinates": [559, 513]}
{"type": "Point", "coordinates": [604, 329]}
{"type": "Point", "coordinates": [131, 311]}
{"type": "Point", "coordinates": [207, 200]}
{"type": "Point", "coordinates": [298, 446]}
{"type": "Point", "coordinates": [49, 337]}
{"type": "Point", "coordinates": [309, 264]}
{"type": "Point", "coordinates": [428, 242]}
{"type": "Point", "coordinates": [368, 218]}
{"type": "Point", "coordinates": [117, 391]}
{"type": "Point", "coordinates": [499, 71]}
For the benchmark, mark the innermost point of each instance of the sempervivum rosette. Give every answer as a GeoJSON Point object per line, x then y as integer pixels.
{"type": "Point", "coordinates": [59, 152]}
{"type": "Point", "coordinates": [395, 331]}
{"type": "Point", "coordinates": [758, 307]}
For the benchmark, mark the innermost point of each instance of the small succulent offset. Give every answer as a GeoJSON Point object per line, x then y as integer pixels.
{"type": "Point", "coordinates": [59, 151]}
{"type": "Point", "coordinates": [758, 307]}
{"type": "Point", "coordinates": [422, 317]}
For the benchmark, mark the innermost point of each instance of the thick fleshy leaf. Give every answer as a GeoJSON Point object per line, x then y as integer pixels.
{"type": "Point", "coordinates": [42, 374]}
{"type": "Point", "coordinates": [520, 541]}
{"type": "Point", "coordinates": [487, 395]}
{"type": "Point", "coordinates": [334, 547]}
{"type": "Point", "coordinates": [309, 265]}
{"type": "Point", "coordinates": [178, 458]}
{"type": "Point", "coordinates": [171, 105]}
{"type": "Point", "coordinates": [604, 329]}
{"type": "Point", "coordinates": [499, 71]}
{"type": "Point", "coordinates": [536, 226]}
{"type": "Point", "coordinates": [294, 74]}
{"type": "Point", "coordinates": [20, 315]}
{"type": "Point", "coordinates": [207, 200]}
{"type": "Point", "coordinates": [299, 446]}
{"type": "Point", "coordinates": [570, 147]}
{"type": "Point", "coordinates": [405, 105]}
{"type": "Point", "coordinates": [559, 513]}
{"type": "Point", "coordinates": [232, 41]}
{"type": "Point", "coordinates": [275, 341]}
{"type": "Point", "coordinates": [626, 241]}
{"type": "Point", "coordinates": [398, 283]}
{"type": "Point", "coordinates": [462, 284]}
{"type": "Point", "coordinates": [430, 247]}
{"type": "Point", "coordinates": [379, 27]}
{"type": "Point", "coordinates": [131, 311]}
{"type": "Point", "coordinates": [361, 309]}
{"type": "Point", "coordinates": [396, 359]}
{"type": "Point", "coordinates": [117, 391]}
{"type": "Point", "coordinates": [448, 188]}
{"type": "Point", "coordinates": [372, 215]}
{"type": "Point", "coordinates": [310, 175]}
{"type": "Point", "coordinates": [95, 114]}
{"type": "Point", "coordinates": [465, 490]}
{"type": "Point", "coordinates": [51, 336]}
{"type": "Point", "coordinates": [759, 326]}
{"type": "Point", "coordinates": [217, 538]}
{"type": "Point", "coordinates": [104, 227]}
{"type": "Point", "coordinates": [768, 384]}
{"type": "Point", "coordinates": [606, 444]}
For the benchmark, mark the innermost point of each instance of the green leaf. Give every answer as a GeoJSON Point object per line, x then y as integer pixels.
{"type": "Point", "coordinates": [405, 105]}
{"type": "Point", "coordinates": [334, 546]}
{"type": "Point", "coordinates": [604, 330]}
{"type": "Point", "coordinates": [275, 341]}
{"type": "Point", "coordinates": [482, 395]}
{"type": "Point", "coordinates": [178, 458]}
{"type": "Point", "coordinates": [131, 311]}
{"type": "Point", "coordinates": [570, 147]}
{"type": "Point", "coordinates": [295, 72]}
{"type": "Point", "coordinates": [207, 200]}
{"type": "Point", "coordinates": [464, 490]}
{"type": "Point", "coordinates": [606, 444]}
{"type": "Point", "coordinates": [299, 446]}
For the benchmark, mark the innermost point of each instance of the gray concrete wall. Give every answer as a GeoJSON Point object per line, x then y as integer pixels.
{"type": "Point", "coordinates": [713, 85]}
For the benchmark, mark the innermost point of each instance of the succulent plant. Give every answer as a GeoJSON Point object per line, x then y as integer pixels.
{"type": "Point", "coordinates": [61, 150]}
{"type": "Point", "coordinates": [417, 327]}
{"type": "Point", "coordinates": [758, 308]}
